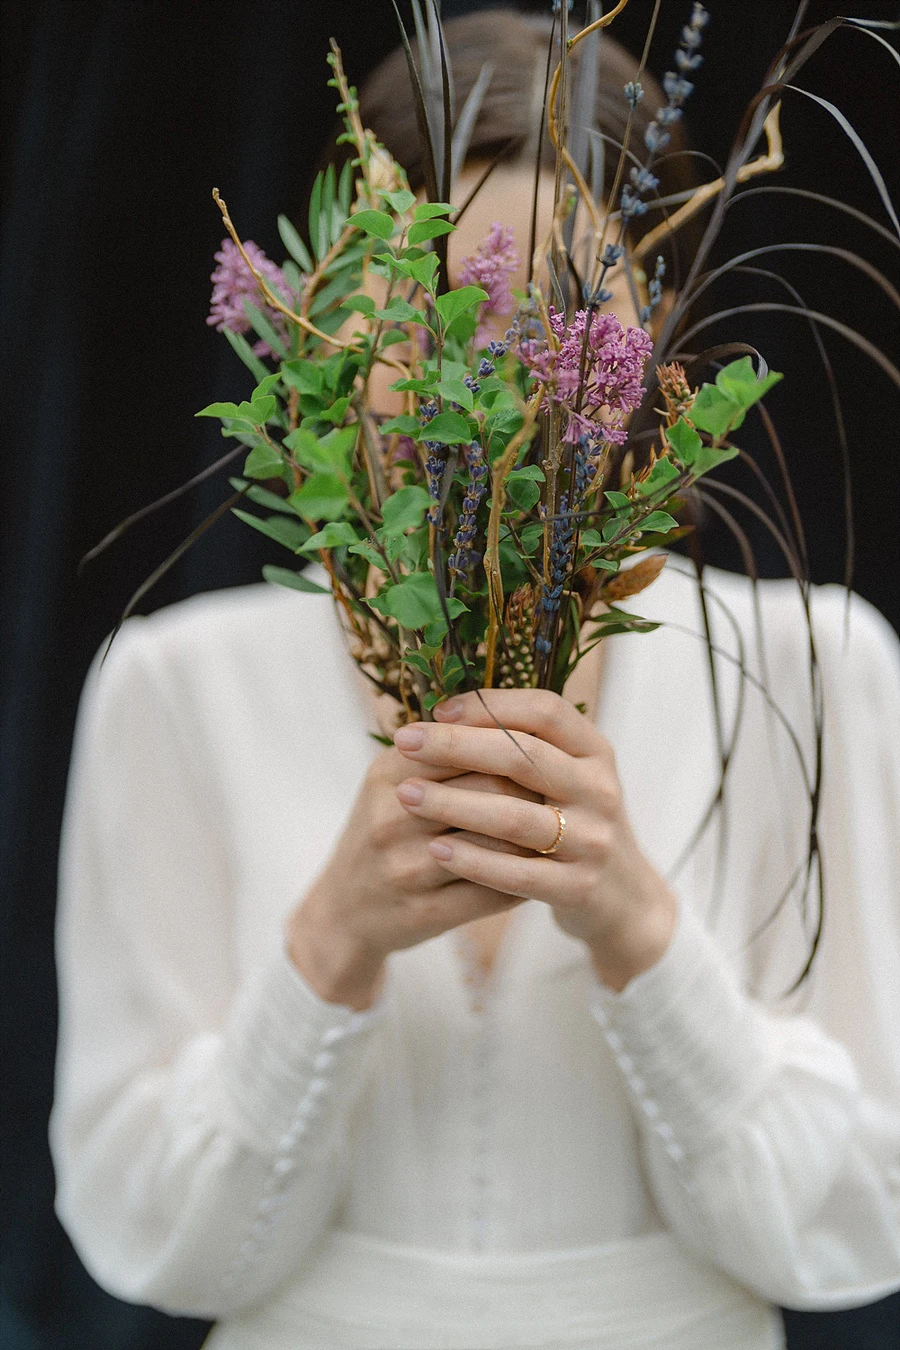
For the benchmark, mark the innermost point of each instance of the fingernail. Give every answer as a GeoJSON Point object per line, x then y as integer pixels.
{"type": "Point", "coordinates": [410, 793]}
{"type": "Point", "coordinates": [449, 711]}
{"type": "Point", "coordinates": [409, 738]}
{"type": "Point", "coordinates": [443, 852]}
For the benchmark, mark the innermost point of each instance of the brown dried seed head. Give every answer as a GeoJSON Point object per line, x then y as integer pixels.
{"type": "Point", "coordinates": [634, 579]}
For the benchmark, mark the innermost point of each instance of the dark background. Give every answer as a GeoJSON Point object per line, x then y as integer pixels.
{"type": "Point", "coordinates": [119, 118]}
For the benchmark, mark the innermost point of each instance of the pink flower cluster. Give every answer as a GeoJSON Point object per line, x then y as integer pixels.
{"type": "Point", "coordinates": [614, 369]}
{"type": "Point", "coordinates": [232, 281]}
{"type": "Point", "coordinates": [492, 264]}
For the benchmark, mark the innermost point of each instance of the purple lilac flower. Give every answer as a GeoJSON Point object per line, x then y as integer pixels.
{"type": "Point", "coordinates": [233, 281]}
{"type": "Point", "coordinates": [492, 264]}
{"type": "Point", "coordinates": [614, 369]}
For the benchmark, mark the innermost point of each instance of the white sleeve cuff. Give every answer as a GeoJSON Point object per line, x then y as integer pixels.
{"type": "Point", "coordinates": [288, 1054]}
{"type": "Point", "coordinates": [691, 1045]}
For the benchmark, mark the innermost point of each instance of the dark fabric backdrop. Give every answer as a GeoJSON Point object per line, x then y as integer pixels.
{"type": "Point", "coordinates": [119, 118]}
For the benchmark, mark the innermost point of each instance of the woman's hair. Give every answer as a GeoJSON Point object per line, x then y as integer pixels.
{"type": "Point", "coordinates": [516, 46]}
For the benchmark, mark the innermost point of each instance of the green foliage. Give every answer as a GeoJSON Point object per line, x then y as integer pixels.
{"type": "Point", "coordinates": [263, 461]}
{"type": "Point", "coordinates": [296, 581]}
{"type": "Point", "coordinates": [404, 509]}
{"type": "Point", "coordinates": [414, 602]}
{"type": "Point", "coordinates": [336, 534]}
{"type": "Point", "coordinates": [448, 428]}
{"type": "Point", "coordinates": [428, 229]}
{"type": "Point", "coordinates": [290, 533]}
{"type": "Point", "coordinates": [377, 223]}
{"type": "Point", "coordinates": [721, 407]}
{"type": "Point", "coordinates": [294, 244]}
{"type": "Point", "coordinates": [323, 496]}
{"type": "Point", "coordinates": [454, 303]}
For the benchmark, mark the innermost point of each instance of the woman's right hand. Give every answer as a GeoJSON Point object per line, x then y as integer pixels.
{"type": "Point", "coordinates": [381, 890]}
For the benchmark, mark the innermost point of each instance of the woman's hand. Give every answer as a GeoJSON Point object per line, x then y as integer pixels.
{"type": "Point", "coordinates": [600, 885]}
{"type": "Point", "coordinates": [381, 890]}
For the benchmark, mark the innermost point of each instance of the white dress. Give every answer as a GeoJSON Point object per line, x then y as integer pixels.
{"type": "Point", "coordinates": [541, 1163]}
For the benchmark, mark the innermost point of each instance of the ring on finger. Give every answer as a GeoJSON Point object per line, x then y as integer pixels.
{"type": "Point", "coordinates": [560, 831]}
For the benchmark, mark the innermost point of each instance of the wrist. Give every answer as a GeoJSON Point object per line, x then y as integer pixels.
{"type": "Point", "coordinates": [337, 968]}
{"type": "Point", "coordinates": [637, 943]}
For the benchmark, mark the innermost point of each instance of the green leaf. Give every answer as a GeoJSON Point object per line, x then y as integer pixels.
{"type": "Point", "coordinates": [329, 453]}
{"type": "Point", "coordinates": [401, 201]}
{"type": "Point", "coordinates": [246, 353]}
{"type": "Point", "coordinates": [456, 392]}
{"type": "Point", "coordinates": [362, 304]}
{"type": "Point", "coordinates": [532, 471]}
{"type": "Point", "coordinates": [457, 302]}
{"type": "Point", "coordinates": [738, 380]}
{"type": "Point", "coordinates": [430, 701]}
{"type": "Point", "coordinates": [304, 376]}
{"type": "Point", "coordinates": [401, 311]}
{"type": "Point", "coordinates": [524, 493]}
{"type": "Point", "coordinates": [405, 424]}
{"type": "Point", "coordinates": [266, 384]}
{"type": "Point", "coordinates": [662, 473]}
{"type": "Point", "coordinates": [619, 500]}
{"type": "Point", "coordinates": [448, 428]}
{"type": "Point", "coordinates": [404, 509]}
{"type": "Point", "coordinates": [369, 552]}
{"type": "Point", "coordinates": [263, 461]}
{"type": "Point", "coordinates": [685, 441]}
{"type": "Point", "coordinates": [229, 410]}
{"type": "Point", "coordinates": [283, 576]}
{"type": "Point", "coordinates": [264, 328]}
{"type": "Point", "coordinates": [262, 496]}
{"type": "Point", "coordinates": [283, 529]}
{"type": "Point", "coordinates": [337, 412]}
{"type": "Point", "coordinates": [414, 602]}
{"type": "Point", "coordinates": [453, 672]}
{"type": "Point", "coordinates": [713, 411]}
{"type": "Point", "coordinates": [428, 210]}
{"type": "Point", "coordinates": [294, 244]}
{"type": "Point", "coordinates": [322, 497]}
{"type": "Point", "coordinates": [428, 229]}
{"type": "Point", "coordinates": [660, 522]}
{"type": "Point", "coordinates": [417, 660]}
{"type": "Point", "coordinates": [336, 534]}
{"type": "Point", "coordinates": [377, 223]}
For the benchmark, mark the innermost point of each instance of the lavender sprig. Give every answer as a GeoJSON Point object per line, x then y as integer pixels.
{"type": "Point", "coordinates": [462, 556]}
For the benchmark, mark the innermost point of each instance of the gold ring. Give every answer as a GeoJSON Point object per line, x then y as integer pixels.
{"type": "Point", "coordinates": [561, 829]}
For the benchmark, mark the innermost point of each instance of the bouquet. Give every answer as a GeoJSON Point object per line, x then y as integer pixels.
{"type": "Point", "coordinates": [477, 538]}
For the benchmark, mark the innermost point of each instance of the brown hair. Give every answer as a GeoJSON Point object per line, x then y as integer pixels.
{"type": "Point", "coordinates": [516, 46]}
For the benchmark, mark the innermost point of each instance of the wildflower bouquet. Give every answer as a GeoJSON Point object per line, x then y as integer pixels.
{"type": "Point", "coordinates": [477, 538]}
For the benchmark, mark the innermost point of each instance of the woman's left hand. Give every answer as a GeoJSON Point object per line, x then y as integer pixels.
{"type": "Point", "coordinates": [601, 887]}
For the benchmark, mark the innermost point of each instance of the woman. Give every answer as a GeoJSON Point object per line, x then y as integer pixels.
{"type": "Point", "coordinates": [445, 1045]}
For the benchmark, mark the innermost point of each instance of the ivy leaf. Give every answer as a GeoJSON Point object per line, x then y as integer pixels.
{"type": "Point", "coordinates": [448, 428]}
{"type": "Point", "coordinates": [401, 201]}
{"type": "Point", "coordinates": [524, 493]}
{"type": "Point", "coordinates": [404, 509]}
{"type": "Point", "coordinates": [457, 302]}
{"type": "Point", "coordinates": [263, 461]}
{"type": "Point", "coordinates": [284, 530]}
{"type": "Point", "coordinates": [428, 229]}
{"type": "Point", "coordinates": [322, 497]}
{"type": "Point", "coordinates": [528, 471]}
{"type": "Point", "coordinates": [377, 223]}
{"type": "Point", "coordinates": [619, 500]}
{"type": "Point", "coordinates": [283, 576]}
{"type": "Point", "coordinates": [336, 534]}
{"type": "Point", "coordinates": [414, 602]}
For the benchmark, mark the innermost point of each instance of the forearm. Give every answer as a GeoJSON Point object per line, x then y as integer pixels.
{"type": "Point", "coordinates": [335, 967]}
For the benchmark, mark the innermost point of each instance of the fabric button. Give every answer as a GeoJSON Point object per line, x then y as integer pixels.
{"type": "Point", "coordinates": [675, 1151]}
{"type": "Point", "coordinates": [332, 1034]}
{"type": "Point", "coordinates": [285, 1165]}
{"type": "Point", "coordinates": [270, 1203]}
{"type": "Point", "coordinates": [614, 1040]}
{"type": "Point", "coordinates": [664, 1130]}
{"type": "Point", "coordinates": [649, 1108]}
{"type": "Point", "coordinates": [637, 1085]}
{"type": "Point", "coordinates": [323, 1059]}
{"type": "Point", "coordinates": [626, 1063]}
{"type": "Point", "coordinates": [317, 1086]}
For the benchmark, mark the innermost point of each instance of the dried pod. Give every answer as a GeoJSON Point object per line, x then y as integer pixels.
{"type": "Point", "coordinates": [634, 579]}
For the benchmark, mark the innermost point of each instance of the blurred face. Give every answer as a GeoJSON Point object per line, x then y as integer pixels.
{"type": "Point", "coordinates": [505, 198]}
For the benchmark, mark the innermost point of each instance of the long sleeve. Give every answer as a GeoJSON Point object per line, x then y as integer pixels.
{"type": "Point", "coordinates": [771, 1133]}
{"type": "Point", "coordinates": [197, 1125]}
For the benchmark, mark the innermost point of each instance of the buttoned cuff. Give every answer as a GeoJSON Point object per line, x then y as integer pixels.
{"type": "Point", "coordinates": [287, 1054]}
{"type": "Point", "coordinates": [692, 1047]}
